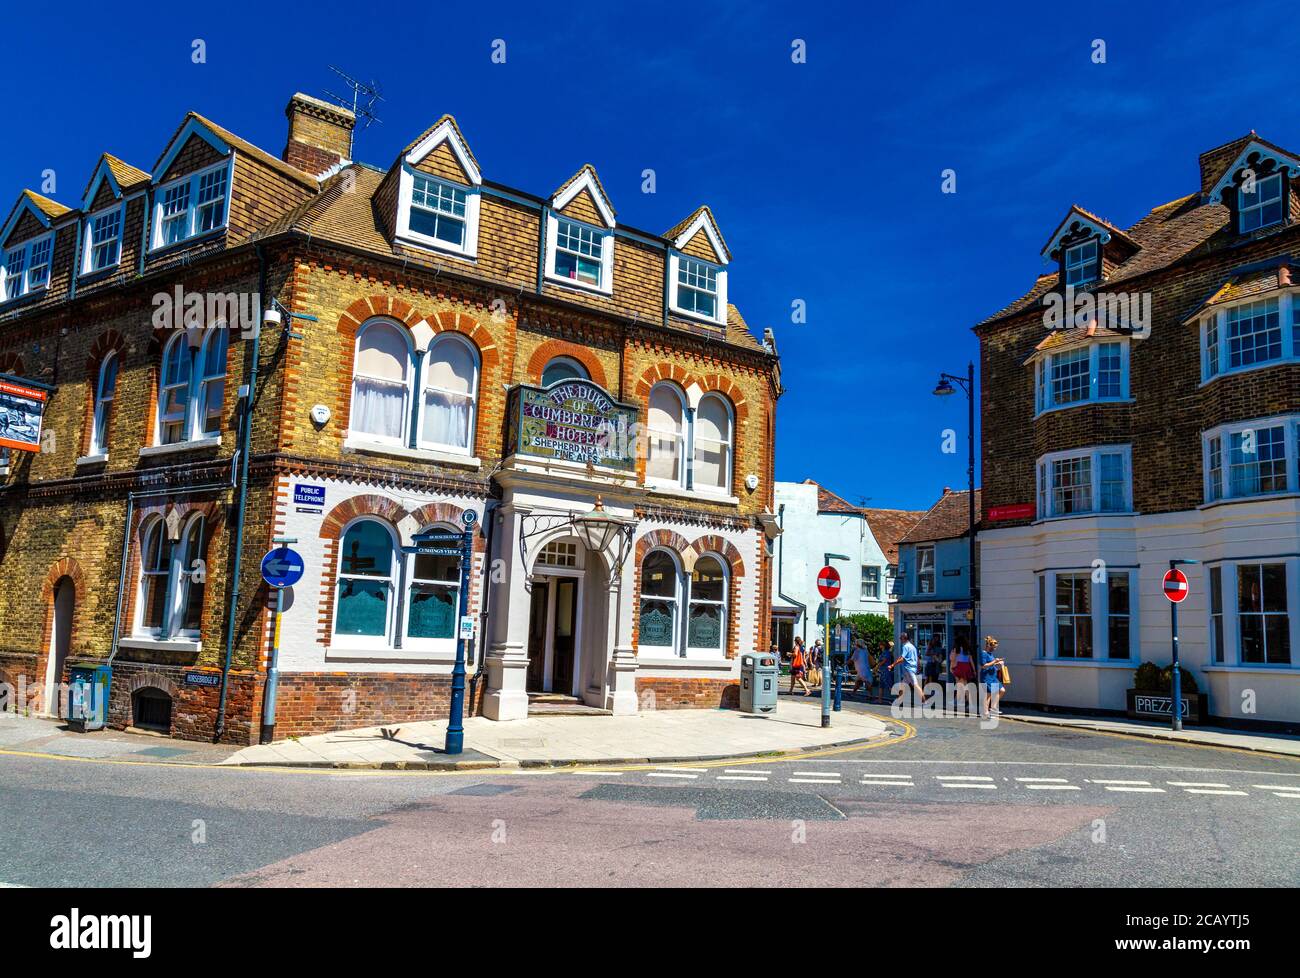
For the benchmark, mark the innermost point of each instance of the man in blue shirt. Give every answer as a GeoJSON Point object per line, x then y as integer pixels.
{"type": "Point", "coordinates": [907, 656]}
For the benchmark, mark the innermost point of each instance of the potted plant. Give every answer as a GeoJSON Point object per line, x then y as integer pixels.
{"type": "Point", "coordinates": [1151, 697]}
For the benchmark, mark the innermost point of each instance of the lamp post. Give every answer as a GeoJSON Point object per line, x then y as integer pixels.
{"type": "Point", "coordinates": [1176, 679]}
{"type": "Point", "coordinates": [943, 389]}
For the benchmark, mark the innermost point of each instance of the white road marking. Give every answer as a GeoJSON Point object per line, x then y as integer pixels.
{"type": "Point", "coordinates": [1213, 791]}
{"type": "Point", "coordinates": [1045, 780]}
{"type": "Point", "coordinates": [960, 777]}
{"type": "Point", "coordinates": [739, 770]}
{"type": "Point", "coordinates": [817, 774]}
{"type": "Point", "coordinates": [656, 774]}
{"type": "Point", "coordinates": [741, 777]}
{"type": "Point", "coordinates": [697, 770]}
{"type": "Point", "coordinates": [1121, 787]}
{"type": "Point", "coordinates": [812, 781]}
{"type": "Point", "coordinates": [1110, 781]}
{"type": "Point", "coordinates": [904, 784]}
{"type": "Point", "coordinates": [1288, 794]}
{"type": "Point", "coordinates": [959, 784]}
{"type": "Point", "coordinates": [13, 886]}
{"type": "Point", "coordinates": [1197, 784]}
{"type": "Point", "coordinates": [599, 774]}
{"type": "Point", "coordinates": [1053, 787]}
{"type": "Point", "coordinates": [1277, 787]}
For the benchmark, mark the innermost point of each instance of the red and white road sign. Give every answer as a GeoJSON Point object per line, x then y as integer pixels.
{"type": "Point", "coordinates": [1175, 585]}
{"type": "Point", "coordinates": [828, 582]}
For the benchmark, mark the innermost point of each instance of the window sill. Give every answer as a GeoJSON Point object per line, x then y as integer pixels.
{"type": "Point", "coordinates": [577, 285]}
{"type": "Point", "coordinates": [91, 460]}
{"type": "Point", "coordinates": [335, 653]}
{"type": "Point", "coordinates": [1089, 663]}
{"type": "Point", "coordinates": [352, 444]}
{"type": "Point", "coordinates": [413, 240]}
{"type": "Point", "coordinates": [193, 445]}
{"type": "Point", "coordinates": [1252, 368]}
{"type": "Point", "coordinates": [694, 495]}
{"type": "Point", "coordinates": [203, 237]}
{"type": "Point", "coordinates": [1127, 514]}
{"type": "Point", "coordinates": [1263, 497]}
{"type": "Point", "coordinates": [687, 314]}
{"type": "Point", "coordinates": [690, 662]}
{"type": "Point", "coordinates": [1090, 402]}
{"type": "Point", "coordinates": [161, 644]}
{"type": "Point", "coordinates": [1257, 668]}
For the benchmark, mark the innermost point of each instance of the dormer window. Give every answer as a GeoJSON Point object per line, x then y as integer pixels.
{"type": "Point", "coordinates": [191, 206]}
{"type": "Point", "coordinates": [697, 287]}
{"type": "Point", "coordinates": [103, 241]}
{"type": "Point", "coordinates": [27, 267]}
{"type": "Point", "coordinates": [438, 210]}
{"type": "Point", "coordinates": [1262, 206]}
{"type": "Point", "coordinates": [1082, 263]}
{"type": "Point", "coordinates": [577, 252]}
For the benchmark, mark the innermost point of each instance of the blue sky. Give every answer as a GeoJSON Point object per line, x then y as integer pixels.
{"type": "Point", "coordinates": [824, 176]}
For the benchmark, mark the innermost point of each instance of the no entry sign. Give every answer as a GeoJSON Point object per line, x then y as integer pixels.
{"type": "Point", "coordinates": [1175, 585]}
{"type": "Point", "coordinates": [828, 582]}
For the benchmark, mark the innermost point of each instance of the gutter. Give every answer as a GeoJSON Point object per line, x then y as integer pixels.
{"type": "Point", "coordinates": [489, 524]}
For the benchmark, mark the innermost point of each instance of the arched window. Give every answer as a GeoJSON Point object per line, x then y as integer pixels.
{"type": "Point", "coordinates": [706, 621]}
{"type": "Point", "coordinates": [381, 383]}
{"type": "Point", "coordinates": [367, 583]}
{"type": "Point", "coordinates": [105, 388]}
{"type": "Point", "coordinates": [659, 603]}
{"type": "Point", "coordinates": [434, 597]}
{"type": "Point", "coordinates": [667, 440]}
{"type": "Point", "coordinates": [191, 387]}
{"type": "Point", "coordinates": [712, 444]}
{"type": "Point", "coordinates": [563, 368]}
{"type": "Point", "coordinates": [172, 576]}
{"type": "Point", "coordinates": [450, 386]}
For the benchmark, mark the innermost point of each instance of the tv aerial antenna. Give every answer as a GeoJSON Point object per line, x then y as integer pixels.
{"type": "Point", "coordinates": [363, 99]}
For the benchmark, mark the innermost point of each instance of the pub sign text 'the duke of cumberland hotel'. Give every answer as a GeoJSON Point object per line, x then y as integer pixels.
{"type": "Point", "coordinates": [424, 342]}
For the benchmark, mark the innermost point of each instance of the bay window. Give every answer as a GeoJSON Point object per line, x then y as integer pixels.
{"type": "Point", "coordinates": [1250, 335]}
{"type": "Point", "coordinates": [1098, 372]}
{"type": "Point", "coordinates": [1089, 481]}
{"type": "Point", "coordinates": [191, 206]}
{"type": "Point", "coordinates": [1253, 458]}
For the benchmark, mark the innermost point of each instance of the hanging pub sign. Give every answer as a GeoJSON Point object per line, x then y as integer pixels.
{"type": "Point", "coordinates": [22, 407]}
{"type": "Point", "coordinates": [572, 421]}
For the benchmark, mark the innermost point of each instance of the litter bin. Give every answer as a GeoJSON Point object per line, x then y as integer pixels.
{"type": "Point", "coordinates": [758, 680]}
{"type": "Point", "coordinates": [88, 697]}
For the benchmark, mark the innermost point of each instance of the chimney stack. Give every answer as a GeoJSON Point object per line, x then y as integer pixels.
{"type": "Point", "coordinates": [320, 134]}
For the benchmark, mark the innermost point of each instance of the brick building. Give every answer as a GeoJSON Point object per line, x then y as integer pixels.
{"type": "Point", "coordinates": [1158, 418]}
{"type": "Point", "coordinates": [232, 347]}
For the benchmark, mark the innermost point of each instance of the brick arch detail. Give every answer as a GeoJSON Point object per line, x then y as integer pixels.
{"type": "Point", "coordinates": [656, 372]}
{"type": "Point", "coordinates": [660, 538]}
{"type": "Point", "coordinates": [70, 568]}
{"type": "Point", "coordinates": [551, 349]}
{"type": "Point", "coordinates": [402, 312]}
{"type": "Point", "coordinates": [718, 384]}
{"type": "Point", "coordinates": [109, 341]}
{"type": "Point", "coordinates": [714, 544]}
{"type": "Point", "coordinates": [152, 680]}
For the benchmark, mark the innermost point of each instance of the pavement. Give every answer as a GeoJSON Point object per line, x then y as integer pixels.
{"type": "Point", "coordinates": [48, 736]}
{"type": "Point", "coordinates": [1284, 744]}
{"type": "Point", "coordinates": [663, 736]}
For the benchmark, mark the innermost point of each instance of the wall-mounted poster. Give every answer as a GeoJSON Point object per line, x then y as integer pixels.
{"type": "Point", "coordinates": [22, 406]}
{"type": "Point", "coordinates": [572, 421]}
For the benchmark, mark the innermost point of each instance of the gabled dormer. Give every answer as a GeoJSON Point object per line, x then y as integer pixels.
{"type": "Point", "coordinates": [27, 246]}
{"type": "Point", "coordinates": [104, 206]}
{"type": "Point", "coordinates": [430, 197]}
{"type": "Point", "coordinates": [191, 193]}
{"type": "Point", "coordinates": [1086, 248]}
{"type": "Point", "coordinates": [580, 234]}
{"type": "Point", "coordinates": [1254, 183]}
{"type": "Point", "coordinates": [697, 268]}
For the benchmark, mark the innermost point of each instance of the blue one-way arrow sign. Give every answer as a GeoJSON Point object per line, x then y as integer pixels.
{"type": "Point", "coordinates": [282, 567]}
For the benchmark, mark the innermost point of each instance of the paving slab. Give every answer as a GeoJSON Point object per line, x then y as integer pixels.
{"type": "Point", "coordinates": [653, 736]}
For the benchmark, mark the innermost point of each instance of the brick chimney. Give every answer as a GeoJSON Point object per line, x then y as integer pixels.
{"type": "Point", "coordinates": [320, 134]}
{"type": "Point", "coordinates": [1215, 161]}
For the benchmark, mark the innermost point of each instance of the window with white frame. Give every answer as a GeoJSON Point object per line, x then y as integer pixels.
{"type": "Point", "coordinates": [26, 267]}
{"type": "Point", "coordinates": [450, 388]}
{"type": "Point", "coordinates": [105, 390]}
{"type": "Point", "coordinates": [925, 569]}
{"type": "Point", "coordinates": [1082, 615]}
{"type": "Point", "coordinates": [1097, 372]}
{"type": "Point", "coordinates": [712, 444]}
{"type": "Point", "coordinates": [1254, 458]}
{"type": "Point", "coordinates": [1082, 263]}
{"type": "Point", "coordinates": [1216, 614]}
{"type": "Point", "coordinates": [697, 288]}
{"type": "Point", "coordinates": [191, 206]}
{"type": "Point", "coordinates": [367, 583]}
{"type": "Point", "coordinates": [1262, 206]}
{"type": "Point", "coordinates": [438, 210]}
{"type": "Point", "coordinates": [870, 582]}
{"type": "Point", "coordinates": [1263, 621]}
{"type": "Point", "coordinates": [577, 252]}
{"type": "Point", "coordinates": [666, 435]}
{"type": "Point", "coordinates": [170, 594]}
{"type": "Point", "coordinates": [1097, 480]}
{"type": "Point", "coordinates": [103, 240]}
{"type": "Point", "coordinates": [658, 621]}
{"type": "Point", "coordinates": [706, 616]}
{"type": "Point", "coordinates": [191, 387]}
{"type": "Point", "coordinates": [563, 368]}
{"type": "Point", "coordinates": [1250, 335]}
{"type": "Point", "coordinates": [433, 598]}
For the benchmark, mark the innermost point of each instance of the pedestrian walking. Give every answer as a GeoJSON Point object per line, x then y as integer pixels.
{"type": "Point", "coordinates": [962, 667]}
{"type": "Point", "coordinates": [991, 676]}
{"type": "Point", "coordinates": [885, 668]}
{"type": "Point", "coordinates": [861, 660]}
{"type": "Point", "coordinates": [798, 667]}
{"type": "Point", "coordinates": [907, 659]}
{"type": "Point", "coordinates": [815, 664]}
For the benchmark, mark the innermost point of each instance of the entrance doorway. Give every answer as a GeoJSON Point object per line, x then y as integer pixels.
{"type": "Point", "coordinates": [60, 642]}
{"type": "Point", "coordinates": [553, 623]}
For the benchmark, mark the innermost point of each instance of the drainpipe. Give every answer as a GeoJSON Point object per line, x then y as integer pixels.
{"type": "Point", "coordinates": [780, 569]}
{"type": "Point", "coordinates": [490, 529]}
{"type": "Point", "coordinates": [245, 462]}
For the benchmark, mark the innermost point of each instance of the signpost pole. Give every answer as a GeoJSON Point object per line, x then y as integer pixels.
{"type": "Point", "coordinates": [1176, 706]}
{"type": "Point", "coordinates": [272, 675]}
{"type": "Point", "coordinates": [827, 665]}
{"type": "Point", "coordinates": [455, 743]}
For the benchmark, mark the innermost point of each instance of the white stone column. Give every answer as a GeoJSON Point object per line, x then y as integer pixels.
{"type": "Point", "coordinates": [620, 684]}
{"type": "Point", "coordinates": [507, 657]}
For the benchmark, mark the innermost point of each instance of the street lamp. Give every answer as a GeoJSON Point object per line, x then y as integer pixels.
{"type": "Point", "coordinates": [943, 389]}
{"type": "Point", "coordinates": [597, 528]}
